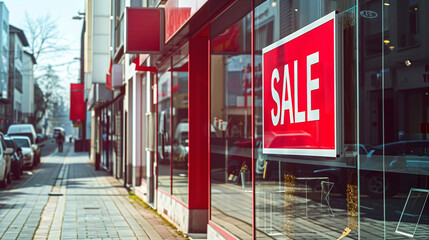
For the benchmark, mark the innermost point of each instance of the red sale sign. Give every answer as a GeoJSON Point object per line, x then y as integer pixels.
{"type": "Point", "coordinates": [299, 92]}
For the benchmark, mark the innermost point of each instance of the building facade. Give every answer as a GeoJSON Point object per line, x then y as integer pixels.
{"type": "Point", "coordinates": [28, 82]}
{"type": "Point", "coordinates": [5, 113]}
{"type": "Point", "coordinates": [276, 119]}
{"type": "Point", "coordinates": [96, 65]}
{"type": "Point", "coordinates": [17, 41]}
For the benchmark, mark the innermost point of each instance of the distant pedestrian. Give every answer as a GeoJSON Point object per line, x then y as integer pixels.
{"type": "Point", "coordinates": [60, 142]}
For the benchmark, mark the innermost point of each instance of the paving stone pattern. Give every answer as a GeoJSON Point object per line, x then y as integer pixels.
{"type": "Point", "coordinates": [67, 199]}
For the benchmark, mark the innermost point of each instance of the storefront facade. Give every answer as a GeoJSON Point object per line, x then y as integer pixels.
{"type": "Point", "coordinates": [375, 186]}
{"type": "Point", "coordinates": [286, 119]}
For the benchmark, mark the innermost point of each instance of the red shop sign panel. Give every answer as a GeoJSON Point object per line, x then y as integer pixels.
{"type": "Point", "coordinates": [300, 93]}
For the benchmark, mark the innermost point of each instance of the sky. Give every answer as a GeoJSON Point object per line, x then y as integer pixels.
{"type": "Point", "coordinates": [62, 11]}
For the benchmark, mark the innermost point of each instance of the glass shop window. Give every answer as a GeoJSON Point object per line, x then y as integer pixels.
{"type": "Point", "coordinates": [164, 128]}
{"type": "Point", "coordinates": [180, 124]}
{"type": "Point", "coordinates": [230, 149]}
{"type": "Point", "coordinates": [307, 197]}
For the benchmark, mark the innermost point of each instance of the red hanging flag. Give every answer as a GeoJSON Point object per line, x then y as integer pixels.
{"type": "Point", "coordinates": [77, 102]}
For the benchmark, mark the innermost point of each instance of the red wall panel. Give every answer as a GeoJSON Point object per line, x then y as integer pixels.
{"type": "Point", "coordinates": [144, 30]}
{"type": "Point", "coordinates": [198, 128]}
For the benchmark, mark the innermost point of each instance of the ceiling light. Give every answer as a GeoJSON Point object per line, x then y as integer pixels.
{"type": "Point", "coordinates": [407, 63]}
{"type": "Point", "coordinates": [391, 48]}
{"type": "Point", "coordinates": [386, 41]}
{"type": "Point", "coordinates": [274, 4]}
{"type": "Point", "coordinates": [386, 4]}
{"type": "Point", "coordinates": [296, 9]}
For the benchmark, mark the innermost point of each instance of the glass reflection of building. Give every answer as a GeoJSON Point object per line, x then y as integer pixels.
{"type": "Point", "coordinates": [5, 116]}
{"type": "Point", "coordinates": [173, 126]}
{"type": "Point", "coordinates": [377, 186]}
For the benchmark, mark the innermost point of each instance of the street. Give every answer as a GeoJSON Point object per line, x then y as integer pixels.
{"type": "Point", "coordinates": [48, 147]}
{"type": "Point", "coordinates": [64, 198]}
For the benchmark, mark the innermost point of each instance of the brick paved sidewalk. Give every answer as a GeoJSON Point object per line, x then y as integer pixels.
{"type": "Point", "coordinates": [85, 204]}
{"type": "Point", "coordinates": [22, 203]}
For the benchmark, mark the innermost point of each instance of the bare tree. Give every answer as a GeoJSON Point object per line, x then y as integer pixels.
{"type": "Point", "coordinates": [43, 35]}
{"type": "Point", "coordinates": [44, 40]}
{"type": "Point", "coordinates": [47, 93]}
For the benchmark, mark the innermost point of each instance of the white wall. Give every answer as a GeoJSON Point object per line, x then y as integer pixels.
{"type": "Point", "coordinates": [134, 113]}
{"type": "Point", "coordinates": [27, 85]}
{"type": "Point", "coordinates": [100, 40]}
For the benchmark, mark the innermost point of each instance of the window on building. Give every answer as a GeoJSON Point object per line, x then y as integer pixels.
{"type": "Point", "coordinates": [119, 7]}
{"type": "Point", "coordinates": [394, 108]}
{"type": "Point", "coordinates": [19, 54]}
{"type": "Point", "coordinates": [3, 86]}
{"type": "Point", "coordinates": [18, 80]}
{"type": "Point", "coordinates": [18, 118]}
{"type": "Point", "coordinates": [292, 193]}
{"type": "Point", "coordinates": [164, 128]}
{"type": "Point", "coordinates": [408, 28]}
{"type": "Point", "coordinates": [173, 126]}
{"type": "Point", "coordinates": [153, 3]}
{"type": "Point", "coordinates": [179, 74]}
{"type": "Point", "coordinates": [5, 61]}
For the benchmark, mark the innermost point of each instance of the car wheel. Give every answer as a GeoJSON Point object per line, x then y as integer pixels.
{"type": "Point", "coordinates": [9, 178]}
{"type": "Point", "coordinates": [3, 182]}
{"type": "Point", "coordinates": [375, 187]}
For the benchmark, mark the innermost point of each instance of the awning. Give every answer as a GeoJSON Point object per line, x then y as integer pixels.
{"type": "Point", "coordinates": [99, 95]}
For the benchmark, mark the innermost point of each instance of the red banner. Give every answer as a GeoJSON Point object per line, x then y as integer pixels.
{"type": "Point", "coordinates": [77, 102]}
{"type": "Point", "coordinates": [229, 40]}
{"type": "Point", "coordinates": [299, 92]}
{"type": "Point", "coordinates": [175, 17]}
{"type": "Point", "coordinates": [109, 77]}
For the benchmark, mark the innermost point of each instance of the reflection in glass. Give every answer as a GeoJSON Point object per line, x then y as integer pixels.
{"type": "Point", "coordinates": [230, 156]}
{"type": "Point", "coordinates": [180, 124]}
{"type": "Point", "coordinates": [307, 197]}
{"type": "Point", "coordinates": [394, 113]}
{"type": "Point", "coordinates": [412, 213]}
{"type": "Point", "coordinates": [164, 128]}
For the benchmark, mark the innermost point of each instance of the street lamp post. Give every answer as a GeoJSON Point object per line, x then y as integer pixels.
{"type": "Point", "coordinates": [82, 132]}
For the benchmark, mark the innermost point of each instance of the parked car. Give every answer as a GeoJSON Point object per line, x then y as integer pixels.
{"type": "Point", "coordinates": [5, 164]}
{"type": "Point", "coordinates": [267, 165]}
{"type": "Point", "coordinates": [16, 157]}
{"type": "Point", "coordinates": [339, 171]}
{"type": "Point", "coordinates": [180, 145]}
{"type": "Point", "coordinates": [406, 165]}
{"type": "Point", "coordinates": [28, 131]}
{"type": "Point", "coordinates": [407, 161]}
{"type": "Point", "coordinates": [27, 150]}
